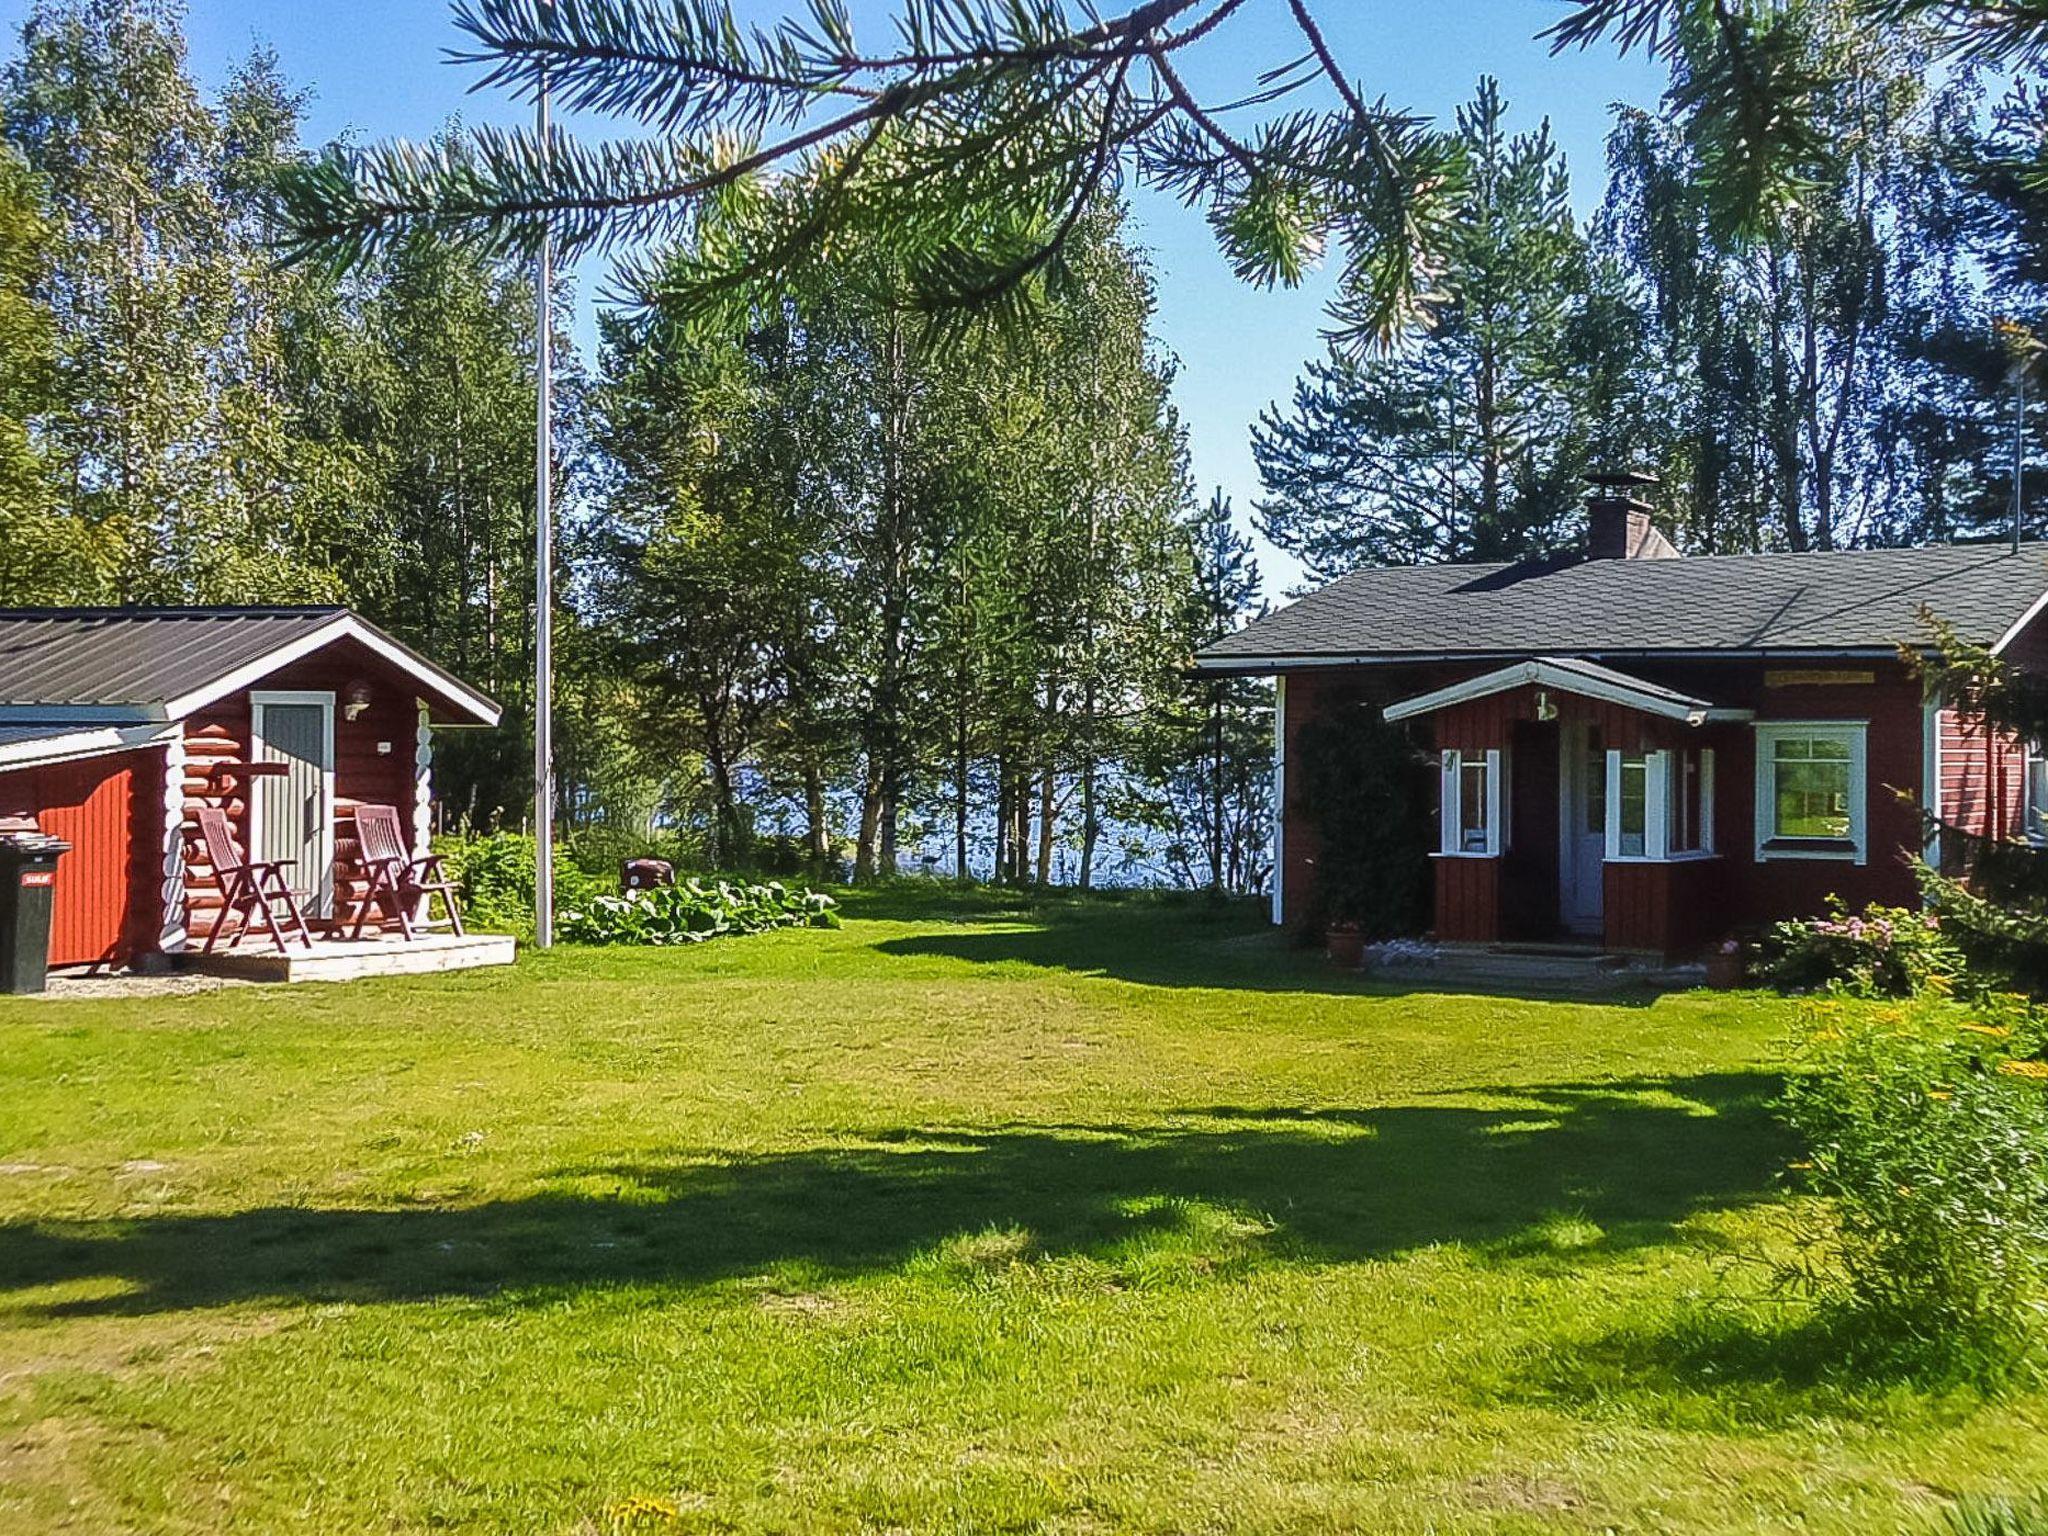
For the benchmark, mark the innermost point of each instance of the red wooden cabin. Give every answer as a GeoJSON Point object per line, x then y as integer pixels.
{"type": "Point", "coordinates": [117, 724]}
{"type": "Point", "coordinates": [1650, 751]}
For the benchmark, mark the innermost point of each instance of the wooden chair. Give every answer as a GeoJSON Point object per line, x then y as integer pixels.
{"type": "Point", "coordinates": [396, 880]}
{"type": "Point", "coordinates": [247, 886]}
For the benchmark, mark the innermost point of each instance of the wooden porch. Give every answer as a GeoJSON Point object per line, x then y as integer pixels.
{"type": "Point", "coordinates": [343, 959]}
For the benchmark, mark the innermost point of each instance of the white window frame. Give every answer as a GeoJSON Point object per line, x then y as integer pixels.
{"type": "Point", "coordinates": [1658, 787]}
{"type": "Point", "coordinates": [1451, 816]}
{"type": "Point", "coordinates": [1856, 734]}
{"type": "Point", "coordinates": [2034, 811]}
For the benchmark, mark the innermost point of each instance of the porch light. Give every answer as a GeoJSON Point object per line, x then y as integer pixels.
{"type": "Point", "coordinates": [355, 699]}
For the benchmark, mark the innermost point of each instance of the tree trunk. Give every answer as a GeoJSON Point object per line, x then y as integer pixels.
{"type": "Point", "coordinates": [1047, 820]}
{"type": "Point", "coordinates": [817, 823]}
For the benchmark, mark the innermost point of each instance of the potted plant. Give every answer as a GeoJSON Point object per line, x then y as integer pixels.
{"type": "Point", "coordinates": [1345, 941]}
{"type": "Point", "coordinates": [1727, 965]}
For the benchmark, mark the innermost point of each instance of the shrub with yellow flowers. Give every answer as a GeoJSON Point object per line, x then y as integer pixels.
{"type": "Point", "coordinates": [1925, 1130]}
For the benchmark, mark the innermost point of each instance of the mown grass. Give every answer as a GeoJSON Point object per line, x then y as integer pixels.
{"type": "Point", "coordinates": [1082, 1217]}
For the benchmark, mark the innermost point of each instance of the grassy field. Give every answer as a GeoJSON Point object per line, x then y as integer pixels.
{"type": "Point", "coordinates": [1091, 1219]}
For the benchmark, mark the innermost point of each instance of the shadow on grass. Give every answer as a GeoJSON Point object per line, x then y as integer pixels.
{"type": "Point", "coordinates": [1225, 1187]}
{"type": "Point", "coordinates": [1761, 1363]}
{"type": "Point", "coordinates": [1190, 943]}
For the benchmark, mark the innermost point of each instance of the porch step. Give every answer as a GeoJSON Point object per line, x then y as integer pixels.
{"type": "Point", "coordinates": [1539, 970]}
{"type": "Point", "coordinates": [333, 959]}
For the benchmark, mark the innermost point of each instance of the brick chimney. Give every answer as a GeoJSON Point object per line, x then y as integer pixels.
{"type": "Point", "coordinates": [1618, 525]}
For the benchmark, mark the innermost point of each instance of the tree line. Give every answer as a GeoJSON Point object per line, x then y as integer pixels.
{"type": "Point", "coordinates": [1845, 372]}
{"type": "Point", "coordinates": [843, 584]}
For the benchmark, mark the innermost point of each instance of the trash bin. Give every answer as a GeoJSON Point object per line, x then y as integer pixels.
{"type": "Point", "coordinates": [28, 888]}
{"type": "Point", "coordinates": [646, 874]}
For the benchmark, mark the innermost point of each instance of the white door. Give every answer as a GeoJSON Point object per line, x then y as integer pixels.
{"type": "Point", "coordinates": [291, 815]}
{"type": "Point", "coordinates": [1582, 861]}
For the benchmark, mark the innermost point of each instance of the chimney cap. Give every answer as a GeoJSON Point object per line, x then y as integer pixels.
{"type": "Point", "coordinates": [1622, 479]}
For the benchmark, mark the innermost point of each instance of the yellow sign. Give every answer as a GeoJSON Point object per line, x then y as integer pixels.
{"type": "Point", "coordinates": [1816, 678]}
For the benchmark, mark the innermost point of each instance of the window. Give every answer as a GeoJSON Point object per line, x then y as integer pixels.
{"type": "Point", "coordinates": [2037, 797]}
{"type": "Point", "coordinates": [1472, 806]}
{"type": "Point", "coordinates": [1691, 821]}
{"type": "Point", "coordinates": [1472, 797]}
{"type": "Point", "coordinates": [1633, 798]}
{"type": "Point", "coordinates": [1810, 791]}
{"type": "Point", "coordinates": [1663, 804]}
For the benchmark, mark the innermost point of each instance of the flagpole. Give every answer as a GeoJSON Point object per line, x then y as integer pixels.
{"type": "Point", "coordinates": [543, 587]}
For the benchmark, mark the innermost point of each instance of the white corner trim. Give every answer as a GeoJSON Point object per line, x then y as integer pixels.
{"type": "Point", "coordinates": [1279, 798]}
{"type": "Point", "coordinates": [1547, 674]}
{"type": "Point", "coordinates": [1930, 775]}
{"type": "Point", "coordinates": [174, 926]}
{"type": "Point", "coordinates": [342, 626]}
{"type": "Point", "coordinates": [423, 783]}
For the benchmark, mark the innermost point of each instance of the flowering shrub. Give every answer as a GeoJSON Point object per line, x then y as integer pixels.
{"type": "Point", "coordinates": [1884, 952]}
{"type": "Point", "coordinates": [692, 912]}
{"type": "Point", "coordinates": [1926, 1131]}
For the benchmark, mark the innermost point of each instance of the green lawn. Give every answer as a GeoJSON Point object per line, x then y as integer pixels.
{"type": "Point", "coordinates": [1108, 1218]}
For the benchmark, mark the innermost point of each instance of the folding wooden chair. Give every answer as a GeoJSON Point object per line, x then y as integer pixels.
{"type": "Point", "coordinates": [396, 879]}
{"type": "Point", "coordinates": [247, 886]}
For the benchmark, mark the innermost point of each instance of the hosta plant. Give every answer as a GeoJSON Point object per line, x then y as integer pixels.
{"type": "Point", "coordinates": [693, 911]}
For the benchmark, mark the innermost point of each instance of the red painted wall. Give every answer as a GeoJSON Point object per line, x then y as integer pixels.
{"type": "Point", "coordinates": [1687, 905]}
{"type": "Point", "coordinates": [92, 804]}
{"type": "Point", "coordinates": [1983, 779]}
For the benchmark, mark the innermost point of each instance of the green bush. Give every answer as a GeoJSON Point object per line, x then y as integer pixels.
{"type": "Point", "coordinates": [496, 874]}
{"type": "Point", "coordinates": [1883, 952]}
{"type": "Point", "coordinates": [1926, 1129]}
{"type": "Point", "coordinates": [1366, 789]}
{"type": "Point", "coordinates": [692, 912]}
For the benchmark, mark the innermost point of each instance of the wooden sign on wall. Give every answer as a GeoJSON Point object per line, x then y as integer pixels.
{"type": "Point", "coordinates": [1816, 677]}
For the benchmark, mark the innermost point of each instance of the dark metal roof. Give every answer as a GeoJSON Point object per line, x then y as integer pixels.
{"type": "Point", "coordinates": [1825, 602]}
{"type": "Point", "coordinates": [140, 656]}
{"type": "Point", "coordinates": [146, 660]}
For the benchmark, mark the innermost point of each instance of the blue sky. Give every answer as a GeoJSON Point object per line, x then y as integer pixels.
{"type": "Point", "coordinates": [375, 68]}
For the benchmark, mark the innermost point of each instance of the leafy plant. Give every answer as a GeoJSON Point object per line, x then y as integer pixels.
{"type": "Point", "coordinates": [1926, 1129]}
{"type": "Point", "coordinates": [1883, 952]}
{"type": "Point", "coordinates": [1365, 790]}
{"type": "Point", "coordinates": [692, 912]}
{"type": "Point", "coordinates": [496, 874]}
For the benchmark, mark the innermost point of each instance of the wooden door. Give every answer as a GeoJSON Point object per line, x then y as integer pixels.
{"type": "Point", "coordinates": [291, 815]}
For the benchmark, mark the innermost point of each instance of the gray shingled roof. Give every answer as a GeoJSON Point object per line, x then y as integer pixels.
{"type": "Point", "coordinates": [1844, 600]}
{"type": "Point", "coordinates": [115, 662]}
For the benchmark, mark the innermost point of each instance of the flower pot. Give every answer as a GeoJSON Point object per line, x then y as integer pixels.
{"type": "Point", "coordinates": [1346, 944]}
{"type": "Point", "coordinates": [1727, 969]}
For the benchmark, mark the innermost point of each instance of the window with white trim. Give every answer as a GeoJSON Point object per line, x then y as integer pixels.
{"type": "Point", "coordinates": [2036, 825]}
{"type": "Point", "coordinates": [1691, 791]}
{"type": "Point", "coordinates": [1472, 818]}
{"type": "Point", "coordinates": [1663, 805]}
{"type": "Point", "coordinates": [1810, 790]}
{"type": "Point", "coordinates": [1631, 796]}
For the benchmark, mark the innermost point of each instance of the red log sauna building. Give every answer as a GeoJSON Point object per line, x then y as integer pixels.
{"type": "Point", "coordinates": [117, 724]}
{"type": "Point", "coordinates": [1649, 751]}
